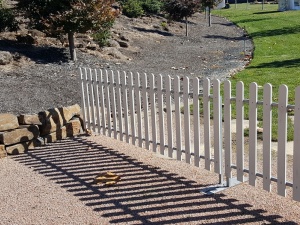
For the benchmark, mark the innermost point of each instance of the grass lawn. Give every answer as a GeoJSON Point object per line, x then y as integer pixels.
{"type": "Point", "coordinates": [276, 37]}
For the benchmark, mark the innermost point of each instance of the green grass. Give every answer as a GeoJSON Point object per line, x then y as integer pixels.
{"type": "Point", "coordinates": [276, 37]}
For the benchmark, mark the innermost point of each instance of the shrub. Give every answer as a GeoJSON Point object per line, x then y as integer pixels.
{"type": "Point", "coordinates": [102, 36]}
{"type": "Point", "coordinates": [179, 9]}
{"type": "Point", "coordinates": [7, 19]}
{"type": "Point", "coordinates": [133, 8]}
{"type": "Point", "coordinates": [152, 6]}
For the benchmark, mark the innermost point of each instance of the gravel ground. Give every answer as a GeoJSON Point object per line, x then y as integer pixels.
{"type": "Point", "coordinates": [44, 78]}
{"type": "Point", "coordinates": [54, 185]}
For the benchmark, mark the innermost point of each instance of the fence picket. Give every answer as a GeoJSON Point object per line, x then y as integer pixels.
{"type": "Point", "coordinates": [87, 94]}
{"type": "Point", "coordinates": [102, 91]}
{"type": "Point", "coordinates": [132, 108]}
{"type": "Point", "coordinates": [253, 134]}
{"type": "Point", "coordinates": [217, 113]}
{"type": "Point", "coordinates": [83, 97]}
{"type": "Point", "coordinates": [296, 152]}
{"type": "Point", "coordinates": [107, 97]}
{"type": "Point", "coordinates": [97, 101]}
{"type": "Point", "coordinates": [187, 126]}
{"type": "Point", "coordinates": [146, 114]}
{"type": "Point", "coordinates": [161, 115]}
{"type": "Point", "coordinates": [92, 99]}
{"type": "Point", "coordinates": [138, 109]}
{"type": "Point", "coordinates": [177, 117]}
{"type": "Point", "coordinates": [240, 130]}
{"type": "Point", "coordinates": [113, 103]}
{"type": "Point", "coordinates": [267, 128]}
{"type": "Point", "coordinates": [125, 105]}
{"type": "Point", "coordinates": [206, 115]}
{"type": "Point", "coordinates": [119, 105]}
{"type": "Point", "coordinates": [282, 139]}
{"type": "Point", "coordinates": [227, 131]}
{"type": "Point", "coordinates": [196, 114]}
{"type": "Point", "coordinates": [169, 116]}
{"type": "Point", "coordinates": [153, 113]}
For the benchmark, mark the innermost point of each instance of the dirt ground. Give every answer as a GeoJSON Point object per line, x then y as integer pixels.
{"type": "Point", "coordinates": [41, 76]}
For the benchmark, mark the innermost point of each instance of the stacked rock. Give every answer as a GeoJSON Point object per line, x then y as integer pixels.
{"type": "Point", "coordinates": [19, 134]}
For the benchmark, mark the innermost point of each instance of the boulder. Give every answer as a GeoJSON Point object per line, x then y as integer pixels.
{"type": "Point", "coordinates": [22, 134]}
{"type": "Point", "coordinates": [113, 43]}
{"type": "Point", "coordinates": [2, 151]}
{"type": "Point", "coordinates": [54, 119]}
{"type": "Point", "coordinates": [55, 136]}
{"type": "Point", "coordinates": [71, 129]}
{"type": "Point", "coordinates": [8, 122]}
{"type": "Point", "coordinates": [5, 57]}
{"type": "Point", "coordinates": [23, 147]}
{"type": "Point", "coordinates": [113, 52]}
{"type": "Point", "coordinates": [36, 33]}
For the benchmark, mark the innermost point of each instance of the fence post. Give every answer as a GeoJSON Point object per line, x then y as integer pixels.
{"type": "Point", "coordinates": [217, 114]}
{"type": "Point", "coordinates": [227, 132]}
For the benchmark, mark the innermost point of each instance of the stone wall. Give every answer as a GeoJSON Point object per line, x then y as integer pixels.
{"type": "Point", "coordinates": [19, 134]}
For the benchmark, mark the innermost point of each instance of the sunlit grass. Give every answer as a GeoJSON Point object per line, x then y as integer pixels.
{"type": "Point", "coordinates": [277, 51]}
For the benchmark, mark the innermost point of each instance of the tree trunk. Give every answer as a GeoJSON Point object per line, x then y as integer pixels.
{"type": "Point", "coordinates": [209, 16]}
{"type": "Point", "coordinates": [186, 26]}
{"type": "Point", "coordinates": [72, 46]}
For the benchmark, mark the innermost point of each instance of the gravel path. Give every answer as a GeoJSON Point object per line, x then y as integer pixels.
{"type": "Point", "coordinates": [53, 185]}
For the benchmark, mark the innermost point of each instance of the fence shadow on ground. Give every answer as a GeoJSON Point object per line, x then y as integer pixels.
{"type": "Point", "coordinates": [144, 195]}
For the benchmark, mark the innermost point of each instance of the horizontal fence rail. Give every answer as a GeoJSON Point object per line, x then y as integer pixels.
{"type": "Point", "coordinates": [189, 120]}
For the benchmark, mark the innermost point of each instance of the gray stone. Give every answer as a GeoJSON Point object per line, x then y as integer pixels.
{"type": "Point", "coordinates": [5, 58]}
{"type": "Point", "coordinates": [123, 44]}
{"type": "Point", "coordinates": [113, 43]}
{"type": "Point", "coordinates": [8, 122]}
{"type": "Point", "coordinates": [123, 37]}
{"type": "Point", "coordinates": [22, 134]}
{"type": "Point", "coordinates": [115, 53]}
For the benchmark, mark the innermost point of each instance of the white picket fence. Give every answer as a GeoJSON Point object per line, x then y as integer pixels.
{"type": "Point", "coordinates": [154, 113]}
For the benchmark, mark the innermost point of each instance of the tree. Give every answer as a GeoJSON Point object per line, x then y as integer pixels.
{"type": "Point", "coordinates": [57, 17]}
{"type": "Point", "coordinates": [209, 4]}
{"type": "Point", "coordinates": [182, 9]}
